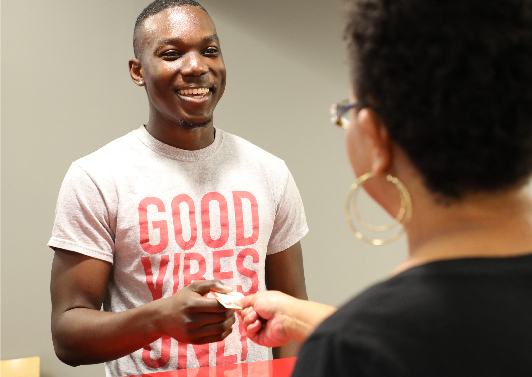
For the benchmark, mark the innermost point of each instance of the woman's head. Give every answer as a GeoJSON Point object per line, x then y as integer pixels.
{"type": "Point", "coordinates": [452, 82]}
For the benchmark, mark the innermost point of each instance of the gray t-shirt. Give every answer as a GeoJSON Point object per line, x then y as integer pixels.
{"type": "Point", "coordinates": [166, 217]}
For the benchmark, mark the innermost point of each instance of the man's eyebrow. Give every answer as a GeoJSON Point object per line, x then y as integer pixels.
{"type": "Point", "coordinates": [212, 37]}
{"type": "Point", "coordinates": [174, 41]}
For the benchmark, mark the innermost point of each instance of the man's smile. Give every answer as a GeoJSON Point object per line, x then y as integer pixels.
{"type": "Point", "coordinates": [194, 93]}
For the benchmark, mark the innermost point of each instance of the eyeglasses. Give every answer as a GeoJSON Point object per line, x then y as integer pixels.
{"type": "Point", "coordinates": [339, 112]}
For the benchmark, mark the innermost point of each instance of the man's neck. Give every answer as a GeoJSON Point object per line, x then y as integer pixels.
{"type": "Point", "coordinates": [183, 137]}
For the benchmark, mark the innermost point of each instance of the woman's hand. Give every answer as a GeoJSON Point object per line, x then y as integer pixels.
{"type": "Point", "coordinates": [265, 318]}
{"type": "Point", "coordinates": [273, 318]}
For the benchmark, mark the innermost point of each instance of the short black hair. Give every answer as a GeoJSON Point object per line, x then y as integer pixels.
{"type": "Point", "coordinates": [155, 7]}
{"type": "Point", "coordinates": [452, 82]}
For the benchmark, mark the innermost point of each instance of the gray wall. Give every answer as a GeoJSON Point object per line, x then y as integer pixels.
{"type": "Point", "coordinates": [66, 91]}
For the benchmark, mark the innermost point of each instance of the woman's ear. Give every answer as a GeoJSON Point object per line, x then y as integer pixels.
{"type": "Point", "coordinates": [136, 71]}
{"type": "Point", "coordinates": [378, 137]}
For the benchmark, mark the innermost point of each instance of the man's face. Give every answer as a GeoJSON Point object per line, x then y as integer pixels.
{"type": "Point", "coordinates": [182, 66]}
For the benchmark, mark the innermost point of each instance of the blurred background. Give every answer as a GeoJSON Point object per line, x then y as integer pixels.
{"type": "Point", "coordinates": [66, 92]}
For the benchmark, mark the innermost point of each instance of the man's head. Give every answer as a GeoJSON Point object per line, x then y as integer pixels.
{"type": "Point", "coordinates": [452, 82]}
{"type": "Point", "coordinates": [179, 61]}
{"type": "Point", "coordinates": [152, 9]}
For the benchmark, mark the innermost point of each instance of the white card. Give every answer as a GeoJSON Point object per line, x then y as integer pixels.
{"type": "Point", "coordinates": [228, 299]}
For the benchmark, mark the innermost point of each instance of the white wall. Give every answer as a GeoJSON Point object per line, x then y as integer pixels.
{"type": "Point", "coordinates": [66, 91]}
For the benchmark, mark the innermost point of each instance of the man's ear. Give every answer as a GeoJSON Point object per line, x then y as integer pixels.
{"type": "Point", "coordinates": [377, 135]}
{"type": "Point", "coordinates": [136, 72]}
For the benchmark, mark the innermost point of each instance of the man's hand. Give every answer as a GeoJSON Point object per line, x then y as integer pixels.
{"type": "Point", "coordinates": [82, 334]}
{"type": "Point", "coordinates": [190, 317]}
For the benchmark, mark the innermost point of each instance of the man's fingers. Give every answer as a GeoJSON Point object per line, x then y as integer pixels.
{"type": "Point", "coordinates": [202, 319]}
{"type": "Point", "coordinates": [217, 330]}
{"type": "Point", "coordinates": [213, 338]}
{"type": "Point", "coordinates": [202, 287]}
{"type": "Point", "coordinates": [196, 300]}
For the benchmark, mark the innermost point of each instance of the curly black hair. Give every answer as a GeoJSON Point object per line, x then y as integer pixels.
{"type": "Point", "coordinates": [452, 81]}
{"type": "Point", "coordinates": [155, 7]}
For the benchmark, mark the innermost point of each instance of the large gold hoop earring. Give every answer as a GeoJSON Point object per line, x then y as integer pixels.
{"type": "Point", "coordinates": [403, 216]}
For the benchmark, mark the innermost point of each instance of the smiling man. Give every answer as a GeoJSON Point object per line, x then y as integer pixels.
{"type": "Point", "coordinates": [151, 223]}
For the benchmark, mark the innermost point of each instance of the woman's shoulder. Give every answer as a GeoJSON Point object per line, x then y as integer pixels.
{"type": "Point", "coordinates": [434, 293]}
{"type": "Point", "coordinates": [376, 304]}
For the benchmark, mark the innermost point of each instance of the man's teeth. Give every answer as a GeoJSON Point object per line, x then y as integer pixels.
{"type": "Point", "coordinates": [195, 91]}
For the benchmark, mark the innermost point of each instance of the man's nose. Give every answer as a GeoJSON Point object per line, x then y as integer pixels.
{"type": "Point", "coordinates": [194, 64]}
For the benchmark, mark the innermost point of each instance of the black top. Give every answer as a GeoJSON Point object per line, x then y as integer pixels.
{"type": "Point", "coordinates": [467, 317]}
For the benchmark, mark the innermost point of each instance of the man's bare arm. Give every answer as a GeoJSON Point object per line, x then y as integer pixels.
{"type": "Point", "coordinates": [82, 334]}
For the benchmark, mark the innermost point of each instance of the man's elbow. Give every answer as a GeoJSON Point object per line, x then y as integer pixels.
{"type": "Point", "coordinates": [66, 350]}
{"type": "Point", "coordinates": [67, 356]}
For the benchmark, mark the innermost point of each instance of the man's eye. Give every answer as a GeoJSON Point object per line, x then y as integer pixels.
{"type": "Point", "coordinates": [171, 54]}
{"type": "Point", "coordinates": [211, 51]}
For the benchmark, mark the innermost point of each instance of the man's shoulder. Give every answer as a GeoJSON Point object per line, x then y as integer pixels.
{"type": "Point", "coordinates": [110, 152]}
{"type": "Point", "coordinates": [241, 145]}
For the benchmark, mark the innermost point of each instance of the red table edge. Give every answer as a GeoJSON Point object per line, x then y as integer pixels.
{"type": "Point", "coordinates": [281, 367]}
